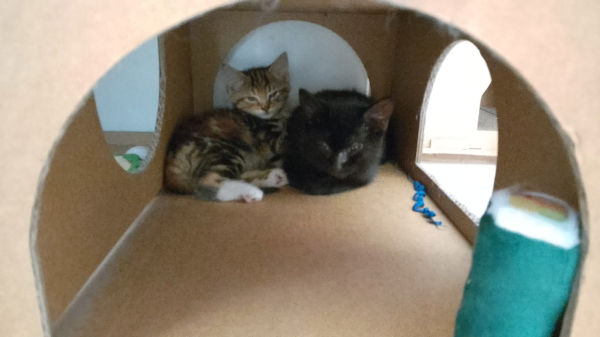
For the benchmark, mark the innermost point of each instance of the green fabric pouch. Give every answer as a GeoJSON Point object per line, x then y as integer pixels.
{"type": "Point", "coordinates": [524, 263]}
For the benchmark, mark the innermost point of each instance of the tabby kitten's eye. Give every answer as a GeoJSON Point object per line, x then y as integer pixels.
{"type": "Point", "coordinates": [251, 99]}
{"type": "Point", "coordinates": [273, 95]}
{"type": "Point", "coordinates": [324, 147]}
{"type": "Point", "coordinates": [356, 147]}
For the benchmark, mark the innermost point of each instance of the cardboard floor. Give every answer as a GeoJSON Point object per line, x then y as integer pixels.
{"type": "Point", "coordinates": [357, 264]}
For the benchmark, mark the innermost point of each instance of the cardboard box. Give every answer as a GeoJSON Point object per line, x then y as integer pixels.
{"type": "Point", "coordinates": [90, 250]}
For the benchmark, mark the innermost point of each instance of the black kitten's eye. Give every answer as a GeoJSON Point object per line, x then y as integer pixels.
{"type": "Point", "coordinates": [273, 95]}
{"type": "Point", "coordinates": [324, 147]}
{"type": "Point", "coordinates": [356, 147]}
{"type": "Point", "coordinates": [251, 98]}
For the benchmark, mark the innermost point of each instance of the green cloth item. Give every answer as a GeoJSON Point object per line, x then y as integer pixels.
{"type": "Point", "coordinates": [135, 161]}
{"type": "Point", "coordinates": [519, 284]}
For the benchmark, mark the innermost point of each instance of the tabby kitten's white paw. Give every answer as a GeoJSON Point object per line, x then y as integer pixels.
{"type": "Point", "coordinates": [233, 190]}
{"type": "Point", "coordinates": [276, 178]}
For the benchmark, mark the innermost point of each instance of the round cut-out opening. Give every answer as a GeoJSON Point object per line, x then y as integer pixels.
{"type": "Point", "coordinates": [458, 144]}
{"type": "Point", "coordinates": [318, 59]}
{"type": "Point", "coordinates": [128, 101]}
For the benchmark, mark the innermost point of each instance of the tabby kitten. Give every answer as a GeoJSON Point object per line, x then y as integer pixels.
{"type": "Point", "coordinates": [335, 141]}
{"type": "Point", "coordinates": [230, 154]}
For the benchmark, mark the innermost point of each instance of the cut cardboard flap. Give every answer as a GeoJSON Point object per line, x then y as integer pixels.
{"type": "Point", "coordinates": [541, 54]}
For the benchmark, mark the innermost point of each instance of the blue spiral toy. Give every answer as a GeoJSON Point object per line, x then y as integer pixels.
{"type": "Point", "coordinates": [420, 204]}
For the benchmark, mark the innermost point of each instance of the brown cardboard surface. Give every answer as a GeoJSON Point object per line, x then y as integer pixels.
{"type": "Point", "coordinates": [214, 35]}
{"type": "Point", "coordinates": [71, 212]}
{"type": "Point", "coordinates": [42, 41]}
{"type": "Point", "coordinates": [53, 52]}
{"type": "Point", "coordinates": [330, 6]}
{"type": "Point", "coordinates": [356, 264]}
{"type": "Point", "coordinates": [531, 150]}
{"type": "Point", "coordinates": [88, 201]}
{"type": "Point", "coordinates": [487, 99]}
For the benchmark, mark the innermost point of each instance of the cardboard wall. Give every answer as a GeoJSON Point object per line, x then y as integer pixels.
{"type": "Point", "coordinates": [554, 49]}
{"type": "Point", "coordinates": [531, 148]}
{"type": "Point", "coordinates": [290, 265]}
{"type": "Point", "coordinates": [487, 100]}
{"type": "Point", "coordinates": [88, 200]}
{"type": "Point", "coordinates": [534, 150]}
{"type": "Point", "coordinates": [214, 35]}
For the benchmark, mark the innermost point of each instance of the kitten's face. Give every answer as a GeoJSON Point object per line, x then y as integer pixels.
{"type": "Point", "coordinates": [342, 135]}
{"type": "Point", "coordinates": [262, 92]}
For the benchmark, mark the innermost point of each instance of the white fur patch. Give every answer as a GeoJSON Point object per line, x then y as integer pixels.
{"type": "Point", "coordinates": [564, 234]}
{"type": "Point", "coordinates": [233, 190]}
{"type": "Point", "coordinates": [276, 178]}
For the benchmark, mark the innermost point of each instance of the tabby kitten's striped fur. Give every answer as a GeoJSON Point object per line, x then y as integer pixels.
{"type": "Point", "coordinates": [230, 154]}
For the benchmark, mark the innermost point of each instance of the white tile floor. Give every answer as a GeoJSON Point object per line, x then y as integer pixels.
{"type": "Point", "coordinates": [470, 185]}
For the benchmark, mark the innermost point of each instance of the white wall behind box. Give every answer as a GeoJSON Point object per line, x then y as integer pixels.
{"type": "Point", "coordinates": [318, 59]}
{"type": "Point", "coordinates": [127, 96]}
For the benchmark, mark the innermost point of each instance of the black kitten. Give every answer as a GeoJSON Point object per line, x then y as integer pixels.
{"type": "Point", "coordinates": [335, 141]}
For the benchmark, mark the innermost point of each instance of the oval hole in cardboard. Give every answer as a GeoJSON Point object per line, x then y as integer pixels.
{"type": "Point", "coordinates": [128, 101]}
{"type": "Point", "coordinates": [458, 154]}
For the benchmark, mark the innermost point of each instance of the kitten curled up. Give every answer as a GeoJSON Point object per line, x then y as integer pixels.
{"type": "Point", "coordinates": [232, 154]}
{"type": "Point", "coordinates": [336, 140]}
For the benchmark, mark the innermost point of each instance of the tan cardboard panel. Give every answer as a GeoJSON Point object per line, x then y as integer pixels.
{"type": "Point", "coordinates": [356, 264]}
{"type": "Point", "coordinates": [330, 6]}
{"type": "Point", "coordinates": [44, 80]}
{"type": "Point", "coordinates": [53, 56]}
{"type": "Point", "coordinates": [532, 151]}
{"type": "Point", "coordinates": [88, 201]}
{"type": "Point", "coordinates": [487, 100]}
{"type": "Point", "coordinates": [84, 208]}
{"type": "Point", "coordinates": [214, 35]}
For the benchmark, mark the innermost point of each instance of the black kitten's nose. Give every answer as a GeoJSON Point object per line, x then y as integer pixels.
{"type": "Point", "coordinates": [341, 159]}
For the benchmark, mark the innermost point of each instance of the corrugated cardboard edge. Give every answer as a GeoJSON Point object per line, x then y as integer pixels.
{"type": "Point", "coordinates": [161, 107]}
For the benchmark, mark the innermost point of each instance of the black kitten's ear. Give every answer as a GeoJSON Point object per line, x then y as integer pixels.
{"type": "Point", "coordinates": [304, 96]}
{"type": "Point", "coordinates": [308, 103]}
{"type": "Point", "coordinates": [378, 116]}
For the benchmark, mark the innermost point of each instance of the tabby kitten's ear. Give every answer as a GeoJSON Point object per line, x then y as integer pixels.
{"type": "Point", "coordinates": [308, 104]}
{"type": "Point", "coordinates": [279, 67]}
{"type": "Point", "coordinates": [378, 116]}
{"type": "Point", "coordinates": [234, 79]}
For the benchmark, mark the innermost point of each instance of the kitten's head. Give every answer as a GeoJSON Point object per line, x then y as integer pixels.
{"type": "Point", "coordinates": [340, 132]}
{"type": "Point", "coordinates": [262, 92]}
